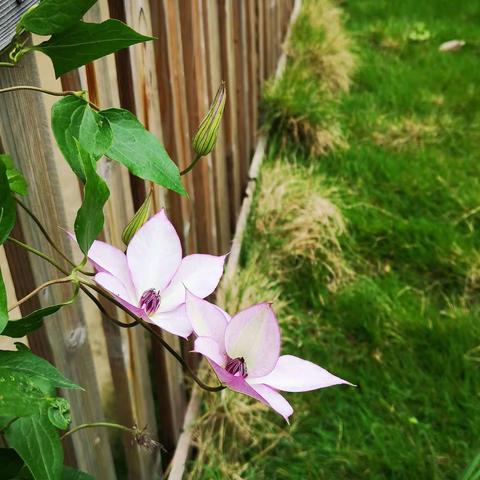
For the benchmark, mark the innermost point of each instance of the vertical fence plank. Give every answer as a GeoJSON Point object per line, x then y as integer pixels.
{"type": "Point", "coordinates": [172, 94]}
{"type": "Point", "coordinates": [195, 71]}
{"type": "Point", "coordinates": [214, 75]}
{"type": "Point", "coordinates": [260, 44]}
{"type": "Point", "coordinates": [225, 22]}
{"type": "Point", "coordinates": [241, 86]}
{"type": "Point", "coordinates": [27, 138]}
{"type": "Point", "coordinates": [127, 349]}
{"type": "Point", "coordinates": [251, 21]}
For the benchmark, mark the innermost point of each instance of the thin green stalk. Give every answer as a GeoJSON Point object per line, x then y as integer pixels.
{"type": "Point", "coordinates": [39, 289]}
{"type": "Point", "coordinates": [195, 160]}
{"type": "Point", "coordinates": [150, 328]}
{"type": "Point", "coordinates": [41, 90]}
{"type": "Point", "coordinates": [39, 254]}
{"type": "Point", "coordinates": [105, 313]}
{"type": "Point", "coordinates": [44, 231]}
{"type": "Point", "coordinates": [99, 424]}
{"type": "Point", "coordinates": [65, 93]}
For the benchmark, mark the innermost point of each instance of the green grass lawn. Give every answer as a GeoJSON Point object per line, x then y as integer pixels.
{"type": "Point", "coordinates": [365, 230]}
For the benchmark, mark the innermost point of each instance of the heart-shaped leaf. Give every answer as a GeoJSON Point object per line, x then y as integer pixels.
{"type": "Point", "coordinates": [140, 151]}
{"type": "Point", "coordinates": [84, 42]}
{"type": "Point", "coordinates": [23, 326]}
{"type": "Point", "coordinates": [55, 16]}
{"type": "Point", "coordinates": [45, 375]}
{"type": "Point", "coordinates": [73, 120]}
{"type": "Point", "coordinates": [37, 442]}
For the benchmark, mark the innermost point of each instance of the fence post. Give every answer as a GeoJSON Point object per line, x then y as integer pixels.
{"type": "Point", "coordinates": [214, 75]}
{"type": "Point", "coordinates": [195, 71]}
{"type": "Point", "coordinates": [225, 22]}
{"type": "Point", "coordinates": [25, 135]}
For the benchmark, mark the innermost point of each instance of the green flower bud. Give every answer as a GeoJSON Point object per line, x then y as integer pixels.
{"type": "Point", "coordinates": [206, 136]}
{"type": "Point", "coordinates": [138, 220]}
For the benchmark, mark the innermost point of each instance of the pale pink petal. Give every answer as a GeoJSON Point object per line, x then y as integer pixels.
{"type": "Point", "coordinates": [275, 400]}
{"type": "Point", "coordinates": [175, 322]}
{"type": "Point", "coordinates": [254, 335]}
{"type": "Point", "coordinates": [107, 258]}
{"type": "Point", "coordinates": [293, 374]}
{"type": "Point", "coordinates": [199, 273]}
{"type": "Point", "coordinates": [154, 254]}
{"type": "Point", "coordinates": [238, 384]}
{"type": "Point", "coordinates": [207, 319]}
{"type": "Point", "coordinates": [211, 349]}
{"type": "Point", "coordinates": [115, 286]}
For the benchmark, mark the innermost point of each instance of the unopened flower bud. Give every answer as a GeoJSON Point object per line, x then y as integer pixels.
{"type": "Point", "coordinates": [138, 220]}
{"type": "Point", "coordinates": [206, 136]}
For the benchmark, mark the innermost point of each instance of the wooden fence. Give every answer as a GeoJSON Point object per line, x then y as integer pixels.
{"type": "Point", "coordinates": [168, 84]}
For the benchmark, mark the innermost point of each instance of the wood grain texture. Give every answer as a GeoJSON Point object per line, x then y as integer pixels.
{"type": "Point", "coordinates": [242, 88]}
{"type": "Point", "coordinates": [214, 77]}
{"type": "Point", "coordinates": [225, 22]}
{"type": "Point", "coordinates": [252, 73]}
{"type": "Point", "coordinates": [127, 349]}
{"type": "Point", "coordinates": [170, 388]}
{"type": "Point", "coordinates": [172, 95]}
{"type": "Point", "coordinates": [196, 85]}
{"type": "Point", "coordinates": [26, 138]}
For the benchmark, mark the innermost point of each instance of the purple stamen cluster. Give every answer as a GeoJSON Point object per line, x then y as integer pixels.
{"type": "Point", "coordinates": [237, 366]}
{"type": "Point", "coordinates": [150, 301]}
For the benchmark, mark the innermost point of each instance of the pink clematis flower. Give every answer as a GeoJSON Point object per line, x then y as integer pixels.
{"type": "Point", "coordinates": [150, 279]}
{"type": "Point", "coordinates": [244, 351]}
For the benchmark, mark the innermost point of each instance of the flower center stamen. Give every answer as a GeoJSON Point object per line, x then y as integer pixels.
{"type": "Point", "coordinates": [150, 301]}
{"type": "Point", "coordinates": [237, 366]}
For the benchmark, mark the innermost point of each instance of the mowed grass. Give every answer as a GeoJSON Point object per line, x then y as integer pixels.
{"type": "Point", "coordinates": [369, 244]}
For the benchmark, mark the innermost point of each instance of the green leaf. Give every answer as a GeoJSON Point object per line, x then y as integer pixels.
{"type": "Point", "coordinates": [89, 220]}
{"type": "Point", "coordinates": [84, 42]}
{"type": "Point", "coordinates": [16, 180]}
{"type": "Point", "coordinates": [55, 16]}
{"type": "Point", "coordinates": [11, 463]}
{"type": "Point", "coordinates": [4, 421]}
{"type": "Point", "coordinates": [140, 151]}
{"type": "Point", "coordinates": [3, 305]}
{"type": "Point", "coordinates": [23, 326]}
{"type": "Point", "coordinates": [38, 369]}
{"type": "Point", "coordinates": [59, 413]}
{"type": "Point", "coordinates": [74, 120]}
{"type": "Point", "coordinates": [21, 347]}
{"type": "Point", "coordinates": [21, 396]}
{"type": "Point", "coordinates": [7, 205]}
{"type": "Point", "coordinates": [37, 441]}
{"type": "Point", "coordinates": [72, 474]}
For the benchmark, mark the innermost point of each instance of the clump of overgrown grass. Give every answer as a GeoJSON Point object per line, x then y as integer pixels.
{"type": "Point", "coordinates": [297, 211]}
{"type": "Point", "coordinates": [300, 108]}
{"type": "Point", "coordinates": [320, 41]}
